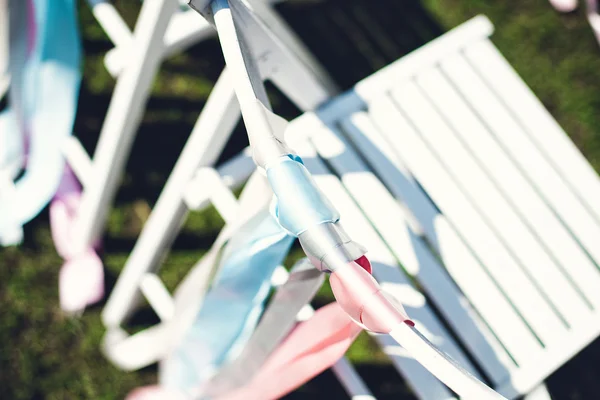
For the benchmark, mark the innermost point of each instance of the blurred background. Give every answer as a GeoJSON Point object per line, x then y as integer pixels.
{"type": "Point", "coordinates": [45, 355]}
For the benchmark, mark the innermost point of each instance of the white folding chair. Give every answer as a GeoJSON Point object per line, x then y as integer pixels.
{"type": "Point", "coordinates": [161, 30]}
{"type": "Point", "coordinates": [493, 186]}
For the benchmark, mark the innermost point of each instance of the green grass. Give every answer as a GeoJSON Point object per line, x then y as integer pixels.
{"type": "Point", "coordinates": [45, 355]}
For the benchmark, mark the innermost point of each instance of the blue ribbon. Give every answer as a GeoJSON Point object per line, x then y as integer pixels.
{"type": "Point", "coordinates": [232, 306]}
{"type": "Point", "coordinates": [43, 101]}
{"type": "Point", "coordinates": [300, 205]}
{"type": "Point", "coordinates": [234, 303]}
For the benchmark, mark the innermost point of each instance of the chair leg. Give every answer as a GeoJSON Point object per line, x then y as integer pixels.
{"type": "Point", "coordinates": [539, 393]}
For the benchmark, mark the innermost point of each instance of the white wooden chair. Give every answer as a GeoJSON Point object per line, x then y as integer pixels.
{"type": "Point", "coordinates": [162, 29]}
{"type": "Point", "coordinates": [139, 272]}
{"type": "Point", "coordinates": [477, 173]}
{"type": "Point", "coordinates": [451, 167]}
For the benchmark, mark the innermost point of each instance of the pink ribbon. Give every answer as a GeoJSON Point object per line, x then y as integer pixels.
{"type": "Point", "coordinates": [318, 343]}
{"type": "Point", "coordinates": [31, 27]}
{"type": "Point", "coordinates": [312, 347]}
{"type": "Point", "coordinates": [564, 5]}
{"type": "Point", "coordinates": [361, 297]}
{"type": "Point", "coordinates": [81, 278]}
{"type": "Point", "coordinates": [155, 392]}
{"type": "Point", "coordinates": [321, 341]}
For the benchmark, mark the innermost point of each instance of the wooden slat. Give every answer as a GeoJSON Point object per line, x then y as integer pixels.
{"type": "Point", "coordinates": [464, 268]}
{"type": "Point", "coordinates": [460, 212]}
{"type": "Point", "coordinates": [525, 154]}
{"type": "Point", "coordinates": [475, 136]}
{"type": "Point", "coordinates": [441, 142]}
{"type": "Point", "coordinates": [537, 121]}
{"type": "Point", "coordinates": [387, 271]}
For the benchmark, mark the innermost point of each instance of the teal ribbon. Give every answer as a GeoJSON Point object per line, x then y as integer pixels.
{"type": "Point", "coordinates": [300, 205]}
{"type": "Point", "coordinates": [42, 103]}
{"type": "Point", "coordinates": [232, 306]}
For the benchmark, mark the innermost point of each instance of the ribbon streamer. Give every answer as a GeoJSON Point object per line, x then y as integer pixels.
{"type": "Point", "coordinates": [12, 138]}
{"type": "Point", "coordinates": [312, 347]}
{"type": "Point", "coordinates": [232, 306]}
{"type": "Point", "coordinates": [158, 342]}
{"type": "Point", "coordinates": [81, 278]}
{"type": "Point", "coordinates": [4, 40]}
{"type": "Point", "coordinates": [45, 62]}
{"type": "Point", "coordinates": [43, 97]}
{"type": "Point", "coordinates": [276, 323]}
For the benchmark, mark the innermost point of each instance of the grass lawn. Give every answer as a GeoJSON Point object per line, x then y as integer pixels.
{"type": "Point", "coordinates": [44, 355]}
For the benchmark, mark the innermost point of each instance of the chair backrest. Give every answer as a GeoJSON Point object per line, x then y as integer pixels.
{"type": "Point", "coordinates": [480, 196]}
